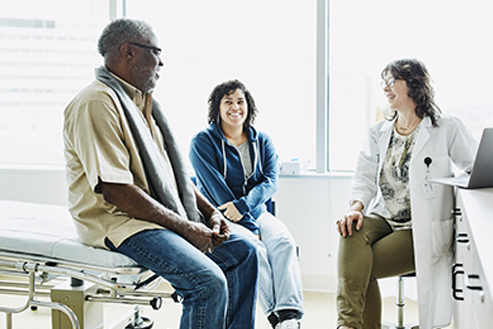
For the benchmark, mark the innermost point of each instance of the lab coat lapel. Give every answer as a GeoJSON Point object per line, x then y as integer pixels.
{"type": "Point", "coordinates": [384, 139]}
{"type": "Point", "coordinates": [423, 135]}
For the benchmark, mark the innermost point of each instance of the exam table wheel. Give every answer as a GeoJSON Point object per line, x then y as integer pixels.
{"type": "Point", "coordinates": [34, 308]}
{"type": "Point", "coordinates": [176, 298]}
{"type": "Point", "coordinates": [156, 303]}
{"type": "Point", "coordinates": [141, 323]}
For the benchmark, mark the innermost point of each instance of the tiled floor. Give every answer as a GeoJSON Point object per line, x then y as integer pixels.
{"type": "Point", "coordinates": [319, 309]}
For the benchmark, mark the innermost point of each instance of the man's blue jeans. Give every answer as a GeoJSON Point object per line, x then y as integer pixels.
{"type": "Point", "coordinates": [218, 288]}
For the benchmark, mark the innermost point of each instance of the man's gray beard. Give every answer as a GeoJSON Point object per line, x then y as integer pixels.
{"type": "Point", "coordinates": [146, 85]}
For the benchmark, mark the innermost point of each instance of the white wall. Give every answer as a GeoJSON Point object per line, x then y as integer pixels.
{"type": "Point", "coordinates": [34, 185]}
{"type": "Point", "coordinates": [308, 204]}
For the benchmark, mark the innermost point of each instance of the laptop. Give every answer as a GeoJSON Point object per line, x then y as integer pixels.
{"type": "Point", "coordinates": [482, 170]}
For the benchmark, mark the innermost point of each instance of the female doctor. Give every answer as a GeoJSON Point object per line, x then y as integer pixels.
{"type": "Point", "coordinates": [398, 222]}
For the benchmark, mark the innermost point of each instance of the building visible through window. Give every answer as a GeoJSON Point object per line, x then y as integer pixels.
{"type": "Point", "coordinates": [47, 54]}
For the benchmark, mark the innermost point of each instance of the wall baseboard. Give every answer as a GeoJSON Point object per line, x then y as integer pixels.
{"type": "Point", "coordinates": [319, 283]}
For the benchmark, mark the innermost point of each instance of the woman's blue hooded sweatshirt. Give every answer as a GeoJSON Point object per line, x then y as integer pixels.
{"type": "Point", "coordinates": [222, 178]}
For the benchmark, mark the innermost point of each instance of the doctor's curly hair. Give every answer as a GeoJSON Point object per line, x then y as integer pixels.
{"type": "Point", "coordinates": [418, 80]}
{"type": "Point", "coordinates": [228, 88]}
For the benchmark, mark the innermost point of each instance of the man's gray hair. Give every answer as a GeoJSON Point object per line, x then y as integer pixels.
{"type": "Point", "coordinates": [122, 30]}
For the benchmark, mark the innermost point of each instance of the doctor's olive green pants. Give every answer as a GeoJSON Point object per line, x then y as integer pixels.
{"type": "Point", "coordinates": [374, 252]}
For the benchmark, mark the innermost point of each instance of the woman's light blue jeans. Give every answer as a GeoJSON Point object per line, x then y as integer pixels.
{"type": "Point", "coordinates": [279, 283]}
{"type": "Point", "coordinates": [218, 288]}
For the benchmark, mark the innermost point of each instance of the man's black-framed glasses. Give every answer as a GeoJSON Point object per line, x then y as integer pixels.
{"type": "Point", "coordinates": [155, 50]}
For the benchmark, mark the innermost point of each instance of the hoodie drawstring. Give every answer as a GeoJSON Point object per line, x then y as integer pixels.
{"type": "Point", "coordinates": [225, 166]}
{"type": "Point", "coordinates": [256, 150]}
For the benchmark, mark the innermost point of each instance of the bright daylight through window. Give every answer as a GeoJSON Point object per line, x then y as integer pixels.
{"type": "Point", "coordinates": [452, 38]}
{"type": "Point", "coordinates": [208, 42]}
{"type": "Point", "coordinates": [48, 53]}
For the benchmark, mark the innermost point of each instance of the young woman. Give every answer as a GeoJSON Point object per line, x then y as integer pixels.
{"type": "Point", "coordinates": [237, 170]}
{"type": "Point", "coordinates": [397, 222]}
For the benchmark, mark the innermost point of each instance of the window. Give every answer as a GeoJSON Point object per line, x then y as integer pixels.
{"type": "Point", "coordinates": [452, 38]}
{"type": "Point", "coordinates": [268, 45]}
{"type": "Point", "coordinates": [48, 53]}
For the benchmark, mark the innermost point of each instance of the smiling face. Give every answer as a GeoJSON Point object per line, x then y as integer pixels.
{"type": "Point", "coordinates": [397, 92]}
{"type": "Point", "coordinates": [233, 109]}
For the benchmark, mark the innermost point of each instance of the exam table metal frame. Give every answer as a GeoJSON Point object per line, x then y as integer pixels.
{"type": "Point", "coordinates": [73, 286]}
{"type": "Point", "coordinates": [77, 289]}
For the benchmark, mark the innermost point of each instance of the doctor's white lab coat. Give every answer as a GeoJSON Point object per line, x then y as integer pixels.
{"type": "Point", "coordinates": [432, 222]}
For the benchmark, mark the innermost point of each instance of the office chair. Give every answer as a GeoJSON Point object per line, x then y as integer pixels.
{"type": "Point", "coordinates": [400, 307]}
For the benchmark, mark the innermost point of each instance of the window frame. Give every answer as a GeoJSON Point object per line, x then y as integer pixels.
{"type": "Point", "coordinates": [322, 88]}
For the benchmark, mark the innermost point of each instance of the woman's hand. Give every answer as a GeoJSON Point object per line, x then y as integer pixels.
{"type": "Point", "coordinates": [230, 212]}
{"type": "Point", "coordinates": [345, 224]}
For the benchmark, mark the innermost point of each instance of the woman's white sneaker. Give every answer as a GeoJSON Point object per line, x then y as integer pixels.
{"type": "Point", "coordinates": [289, 324]}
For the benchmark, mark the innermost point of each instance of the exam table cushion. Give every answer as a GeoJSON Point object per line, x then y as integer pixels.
{"type": "Point", "coordinates": [49, 231]}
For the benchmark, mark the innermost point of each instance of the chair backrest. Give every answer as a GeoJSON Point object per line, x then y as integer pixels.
{"type": "Point", "coordinates": [271, 206]}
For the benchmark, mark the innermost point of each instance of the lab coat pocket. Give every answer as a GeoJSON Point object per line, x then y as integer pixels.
{"type": "Point", "coordinates": [442, 236]}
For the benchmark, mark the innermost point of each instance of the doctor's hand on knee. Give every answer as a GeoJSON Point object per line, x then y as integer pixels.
{"type": "Point", "coordinates": [353, 215]}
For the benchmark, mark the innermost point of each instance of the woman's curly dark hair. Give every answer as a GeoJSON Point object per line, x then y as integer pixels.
{"type": "Point", "coordinates": [418, 81]}
{"type": "Point", "coordinates": [228, 88]}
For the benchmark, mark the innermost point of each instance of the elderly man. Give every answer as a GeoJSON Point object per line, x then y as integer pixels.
{"type": "Point", "coordinates": [129, 190]}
